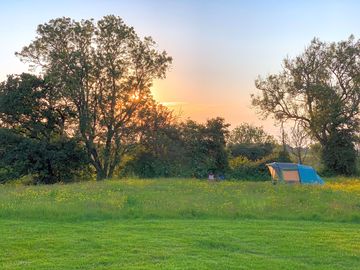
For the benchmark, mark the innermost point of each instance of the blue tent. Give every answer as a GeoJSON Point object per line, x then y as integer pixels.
{"type": "Point", "coordinates": [293, 173]}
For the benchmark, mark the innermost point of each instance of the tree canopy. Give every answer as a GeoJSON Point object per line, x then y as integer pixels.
{"type": "Point", "coordinates": [250, 141]}
{"type": "Point", "coordinates": [249, 134]}
{"type": "Point", "coordinates": [32, 136]}
{"type": "Point", "coordinates": [101, 71]}
{"type": "Point", "coordinates": [321, 90]}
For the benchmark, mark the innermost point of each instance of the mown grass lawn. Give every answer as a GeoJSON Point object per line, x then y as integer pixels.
{"type": "Point", "coordinates": [180, 224]}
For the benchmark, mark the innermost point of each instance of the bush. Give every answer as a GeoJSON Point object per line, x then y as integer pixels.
{"type": "Point", "coordinates": [49, 162]}
{"type": "Point", "coordinates": [144, 164]}
{"type": "Point", "coordinates": [242, 168]}
{"type": "Point", "coordinates": [253, 151]}
{"type": "Point", "coordinates": [339, 154]}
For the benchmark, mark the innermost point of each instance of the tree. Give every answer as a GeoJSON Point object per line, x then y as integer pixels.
{"type": "Point", "coordinates": [104, 72]}
{"type": "Point", "coordinates": [250, 134]}
{"type": "Point", "coordinates": [187, 149]}
{"type": "Point", "coordinates": [27, 105]}
{"type": "Point", "coordinates": [204, 146]}
{"type": "Point", "coordinates": [216, 131]}
{"type": "Point", "coordinates": [159, 151]}
{"type": "Point", "coordinates": [339, 154]}
{"type": "Point", "coordinates": [321, 90]}
{"type": "Point", "coordinates": [157, 127]}
{"type": "Point", "coordinates": [250, 141]}
{"type": "Point", "coordinates": [298, 141]}
{"type": "Point", "coordinates": [48, 162]}
{"type": "Point", "coordinates": [33, 139]}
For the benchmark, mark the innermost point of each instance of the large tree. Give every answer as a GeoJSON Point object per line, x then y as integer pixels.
{"type": "Point", "coordinates": [103, 72]}
{"type": "Point", "coordinates": [28, 106]}
{"type": "Point", "coordinates": [321, 90]}
{"type": "Point", "coordinates": [33, 138]}
{"type": "Point", "coordinates": [250, 141]}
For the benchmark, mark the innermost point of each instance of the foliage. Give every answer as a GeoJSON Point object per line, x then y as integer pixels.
{"type": "Point", "coordinates": [33, 140]}
{"type": "Point", "coordinates": [28, 106]}
{"type": "Point", "coordinates": [145, 165]}
{"type": "Point", "coordinates": [250, 141]}
{"type": "Point", "coordinates": [298, 142]}
{"type": "Point", "coordinates": [160, 151]}
{"type": "Point", "coordinates": [242, 168]}
{"type": "Point", "coordinates": [281, 155]}
{"type": "Point", "coordinates": [249, 134]}
{"type": "Point", "coordinates": [339, 155]}
{"type": "Point", "coordinates": [245, 169]}
{"type": "Point", "coordinates": [321, 90]}
{"type": "Point", "coordinates": [92, 105]}
{"type": "Point", "coordinates": [314, 157]}
{"type": "Point", "coordinates": [48, 162]}
{"type": "Point", "coordinates": [251, 151]}
{"type": "Point", "coordinates": [204, 146]}
{"type": "Point", "coordinates": [188, 149]}
{"type": "Point", "coordinates": [104, 72]}
{"type": "Point", "coordinates": [215, 133]}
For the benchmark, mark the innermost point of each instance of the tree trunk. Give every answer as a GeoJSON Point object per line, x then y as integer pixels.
{"type": "Point", "coordinates": [300, 157]}
{"type": "Point", "coordinates": [100, 175]}
{"type": "Point", "coordinates": [107, 150]}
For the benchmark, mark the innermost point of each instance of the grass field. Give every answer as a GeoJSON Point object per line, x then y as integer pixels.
{"type": "Point", "coordinates": [180, 224]}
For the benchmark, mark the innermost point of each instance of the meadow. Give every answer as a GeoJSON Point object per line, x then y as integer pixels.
{"type": "Point", "coordinates": [180, 224]}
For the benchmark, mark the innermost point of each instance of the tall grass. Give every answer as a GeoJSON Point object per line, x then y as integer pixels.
{"type": "Point", "coordinates": [182, 199]}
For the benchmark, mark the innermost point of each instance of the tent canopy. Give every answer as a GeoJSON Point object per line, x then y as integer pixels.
{"type": "Point", "coordinates": [293, 173]}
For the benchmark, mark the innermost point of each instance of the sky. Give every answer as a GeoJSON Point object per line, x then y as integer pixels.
{"type": "Point", "coordinates": [219, 47]}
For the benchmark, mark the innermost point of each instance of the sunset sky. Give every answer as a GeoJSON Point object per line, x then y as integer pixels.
{"type": "Point", "coordinates": [219, 47]}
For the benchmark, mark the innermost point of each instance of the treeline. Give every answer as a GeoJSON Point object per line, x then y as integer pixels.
{"type": "Point", "coordinates": [89, 111]}
{"type": "Point", "coordinates": [35, 143]}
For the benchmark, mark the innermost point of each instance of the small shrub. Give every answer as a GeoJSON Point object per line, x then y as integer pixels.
{"type": "Point", "coordinates": [244, 169]}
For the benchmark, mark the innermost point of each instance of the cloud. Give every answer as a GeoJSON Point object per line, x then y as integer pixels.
{"type": "Point", "coordinates": [173, 103]}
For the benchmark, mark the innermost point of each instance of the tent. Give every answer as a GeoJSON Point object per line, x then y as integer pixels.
{"type": "Point", "coordinates": [293, 173]}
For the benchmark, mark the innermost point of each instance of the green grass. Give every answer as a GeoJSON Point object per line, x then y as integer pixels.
{"type": "Point", "coordinates": [180, 224]}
